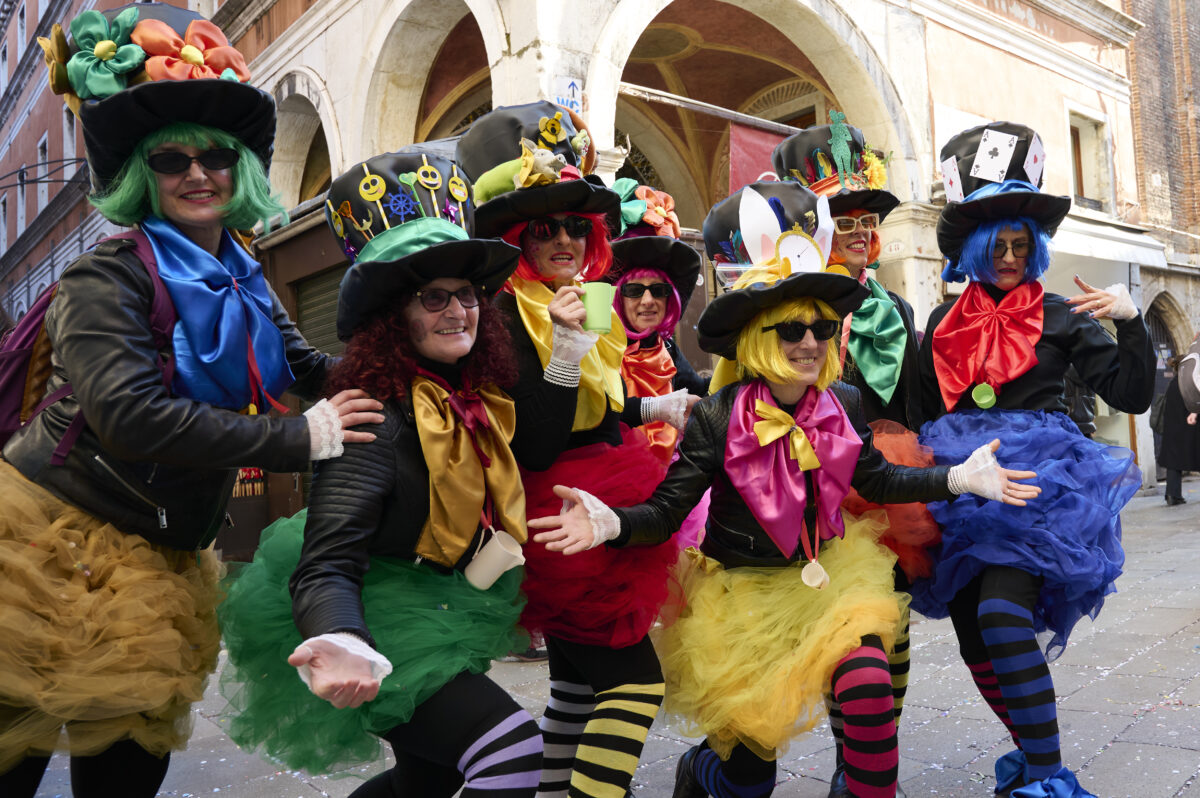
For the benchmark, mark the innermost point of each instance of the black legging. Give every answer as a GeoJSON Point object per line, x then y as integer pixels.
{"type": "Point", "coordinates": [470, 727]}
{"type": "Point", "coordinates": [124, 770]}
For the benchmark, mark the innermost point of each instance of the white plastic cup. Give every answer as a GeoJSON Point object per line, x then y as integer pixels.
{"type": "Point", "coordinates": [500, 554]}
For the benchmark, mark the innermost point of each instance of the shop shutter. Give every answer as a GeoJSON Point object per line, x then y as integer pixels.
{"type": "Point", "coordinates": [316, 318]}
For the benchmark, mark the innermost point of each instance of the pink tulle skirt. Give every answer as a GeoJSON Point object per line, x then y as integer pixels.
{"type": "Point", "coordinates": [605, 596]}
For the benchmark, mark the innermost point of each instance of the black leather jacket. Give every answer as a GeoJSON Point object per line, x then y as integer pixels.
{"type": "Point", "coordinates": [147, 462]}
{"type": "Point", "coordinates": [733, 536]}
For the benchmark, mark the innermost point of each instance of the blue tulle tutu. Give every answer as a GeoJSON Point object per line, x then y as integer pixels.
{"type": "Point", "coordinates": [1070, 534]}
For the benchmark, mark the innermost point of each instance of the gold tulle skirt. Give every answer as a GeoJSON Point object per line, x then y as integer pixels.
{"type": "Point", "coordinates": [751, 656]}
{"type": "Point", "coordinates": [101, 633]}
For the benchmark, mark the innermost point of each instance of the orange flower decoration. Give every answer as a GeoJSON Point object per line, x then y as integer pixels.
{"type": "Point", "coordinates": [203, 52]}
{"type": "Point", "coordinates": [660, 211]}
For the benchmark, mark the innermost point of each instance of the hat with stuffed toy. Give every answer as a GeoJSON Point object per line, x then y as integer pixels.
{"type": "Point", "coordinates": [130, 71]}
{"type": "Point", "coordinates": [994, 171]}
{"type": "Point", "coordinates": [402, 220]}
{"type": "Point", "coordinates": [529, 161]}
{"type": "Point", "coordinates": [834, 161]}
{"type": "Point", "coordinates": [649, 239]}
{"type": "Point", "coordinates": [770, 240]}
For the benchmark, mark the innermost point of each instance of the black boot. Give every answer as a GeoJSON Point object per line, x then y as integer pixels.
{"type": "Point", "coordinates": [838, 788]}
{"type": "Point", "coordinates": [686, 783]}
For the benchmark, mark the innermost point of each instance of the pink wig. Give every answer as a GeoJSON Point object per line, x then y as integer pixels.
{"type": "Point", "coordinates": [674, 306]}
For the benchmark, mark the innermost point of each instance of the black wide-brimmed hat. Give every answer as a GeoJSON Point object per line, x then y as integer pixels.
{"type": "Point", "coordinates": [130, 71]}
{"type": "Point", "coordinates": [541, 145]}
{"type": "Point", "coordinates": [998, 168]}
{"type": "Point", "coordinates": [402, 219]}
{"type": "Point", "coordinates": [834, 161]}
{"type": "Point", "coordinates": [770, 234]}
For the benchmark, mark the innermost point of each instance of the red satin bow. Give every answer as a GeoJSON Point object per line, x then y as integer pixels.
{"type": "Point", "coordinates": [979, 342]}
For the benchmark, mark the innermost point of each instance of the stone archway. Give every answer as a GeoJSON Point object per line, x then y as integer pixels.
{"type": "Point", "coordinates": [305, 120]}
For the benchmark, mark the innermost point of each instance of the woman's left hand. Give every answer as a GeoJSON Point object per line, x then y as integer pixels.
{"type": "Point", "coordinates": [354, 407]}
{"type": "Point", "coordinates": [1099, 303]}
{"type": "Point", "coordinates": [569, 532]}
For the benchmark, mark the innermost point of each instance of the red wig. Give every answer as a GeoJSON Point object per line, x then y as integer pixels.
{"type": "Point", "coordinates": [597, 254]}
{"type": "Point", "coordinates": [381, 360]}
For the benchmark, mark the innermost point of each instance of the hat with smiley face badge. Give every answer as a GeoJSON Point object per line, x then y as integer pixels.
{"type": "Point", "coordinates": [402, 220]}
{"type": "Point", "coordinates": [768, 243]}
{"type": "Point", "coordinates": [529, 161]}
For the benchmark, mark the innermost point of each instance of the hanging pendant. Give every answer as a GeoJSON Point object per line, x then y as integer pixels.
{"type": "Point", "coordinates": [815, 576]}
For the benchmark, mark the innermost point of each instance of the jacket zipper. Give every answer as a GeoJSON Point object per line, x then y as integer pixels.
{"type": "Point", "coordinates": [161, 512]}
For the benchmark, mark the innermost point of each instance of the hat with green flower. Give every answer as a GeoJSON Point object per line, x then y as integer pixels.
{"type": "Point", "coordinates": [130, 71]}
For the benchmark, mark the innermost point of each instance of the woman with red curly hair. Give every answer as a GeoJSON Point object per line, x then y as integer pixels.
{"type": "Point", "coordinates": [593, 610]}
{"type": "Point", "coordinates": [394, 615]}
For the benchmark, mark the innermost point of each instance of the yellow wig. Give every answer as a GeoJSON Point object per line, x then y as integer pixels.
{"type": "Point", "coordinates": [759, 353]}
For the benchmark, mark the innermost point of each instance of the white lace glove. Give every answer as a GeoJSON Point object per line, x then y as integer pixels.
{"type": "Point", "coordinates": [671, 408]}
{"type": "Point", "coordinates": [567, 350]}
{"type": "Point", "coordinates": [324, 431]}
{"type": "Point", "coordinates": [380, 666]}
{"type": "Point", "coordinates": [980, 475]}
{"type": "Point", "coordinates": [605, 524]}
{"type": "Point", "coordinates": [1123, 308]}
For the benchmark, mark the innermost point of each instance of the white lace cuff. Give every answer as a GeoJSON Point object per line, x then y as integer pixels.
{"type": "Point", "coordinates": [570, 346]}
{"type": "Point", "coordinates": [605, 524]}
{"type": "Point", "coordinates": [671, 408]}
{"type": "Point", "coordinates": [324, 431]}
{"type": "Point", "coordinates": [353, 644]}
{"type": "Point", "coordinates": [1124, 308]}
{"type": "Point", "coordinates": [980, 474]}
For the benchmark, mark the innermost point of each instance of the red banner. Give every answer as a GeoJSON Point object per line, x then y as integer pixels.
{"type": "Point", "coordinates": [750, 155]}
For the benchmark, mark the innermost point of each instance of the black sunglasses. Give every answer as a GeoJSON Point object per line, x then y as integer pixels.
{"type": "Point", "coordinates": [1020, 249]}
{"type": "Point", "coordinates": [173, 162]}
{"type": "Point", "coordinates": [435, 299]}
{"type": "Point", "coordinates": [638, 290]}
{"type": "Point", "coordinates": [793, 331]}
{"type": "Point", "coordinates": [547, 228]}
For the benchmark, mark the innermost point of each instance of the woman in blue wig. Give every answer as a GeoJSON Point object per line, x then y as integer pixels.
{"type": "Point", "coordinates": [113, 493]}
{"type": "Point", "coordinates": [1013, 579]}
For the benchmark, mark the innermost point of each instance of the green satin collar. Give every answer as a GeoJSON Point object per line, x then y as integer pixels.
{"type": "Point", "coordinates": [877, 340]}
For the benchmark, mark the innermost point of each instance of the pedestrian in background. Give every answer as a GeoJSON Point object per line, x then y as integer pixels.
{"type": "Point", "coordinates": [1180, 448]}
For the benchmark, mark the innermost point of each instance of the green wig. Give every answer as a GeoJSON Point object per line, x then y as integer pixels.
{"type": "Point", "coordinates": [133, 194]}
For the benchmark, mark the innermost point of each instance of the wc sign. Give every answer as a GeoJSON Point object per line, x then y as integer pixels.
{"type": "Point", "coordinates": [568, 92]}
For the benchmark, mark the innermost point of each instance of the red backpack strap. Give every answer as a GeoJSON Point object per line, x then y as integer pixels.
{"type": "Point", "coordinates": [162, 309]}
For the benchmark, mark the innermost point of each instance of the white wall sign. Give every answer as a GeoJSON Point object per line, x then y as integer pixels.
{"type": "Point", "coordinates": [568, 92]}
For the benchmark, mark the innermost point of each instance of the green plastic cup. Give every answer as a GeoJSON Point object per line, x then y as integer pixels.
{"type": "Point", "coordinates": [598, 302]}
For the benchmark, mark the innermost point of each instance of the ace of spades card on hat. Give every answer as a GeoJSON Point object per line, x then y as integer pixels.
{"type": "Point", "coordinates": [993, 156]}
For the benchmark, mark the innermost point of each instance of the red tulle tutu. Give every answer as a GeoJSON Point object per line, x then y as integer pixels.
{"type": "Point", "coordinates": [605, 596]}
{"type": "Point", "coordinates": [911, 529]}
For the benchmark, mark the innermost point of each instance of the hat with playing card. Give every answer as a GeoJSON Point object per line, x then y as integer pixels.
{"type": "Point", "coordinates": [834, 161]}
{"type": "Point", "coordinates": [994, 171]}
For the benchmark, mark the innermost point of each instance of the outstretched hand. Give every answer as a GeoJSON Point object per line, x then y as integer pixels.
{"type": "Point", "coordinates": [1096, 302]}
{"type": "Point", "coordinates": [983, 476]}
{"type": "Point", "coordinates": [1014, 491]}
{"type": "Point", "coordinates": [570, 531]}
{"type": "Point", "coordinates": [355, 407]}
{"type": "Point", "coordinates": [339, 676]}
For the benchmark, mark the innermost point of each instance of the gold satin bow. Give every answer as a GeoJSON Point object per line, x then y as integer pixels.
{"type": "Point", "coordinates": [774, 425]}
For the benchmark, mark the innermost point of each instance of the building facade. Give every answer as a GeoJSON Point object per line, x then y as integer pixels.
{"type": "Point", "coordinates": [660, 83]}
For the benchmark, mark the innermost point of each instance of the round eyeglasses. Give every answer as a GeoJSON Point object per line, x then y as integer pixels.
{"type": "Point", "coordinates": [435, 299]}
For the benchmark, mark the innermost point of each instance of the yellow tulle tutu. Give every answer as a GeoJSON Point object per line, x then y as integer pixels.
{"type": "Point", "coordinates": [751, 656]}
{"type": "Point", "coordinates": [104, 633]}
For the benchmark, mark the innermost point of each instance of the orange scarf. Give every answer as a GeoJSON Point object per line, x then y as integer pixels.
{"type": "Point", "coordinates": [649, 372]}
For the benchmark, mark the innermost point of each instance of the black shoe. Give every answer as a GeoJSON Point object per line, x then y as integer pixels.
{"type": "Point", "coordinates": [1174, 500]}
{"type": "Point", "coordinates": [686, 784]}
{"type": "Point", "coordinates": [837, 783]}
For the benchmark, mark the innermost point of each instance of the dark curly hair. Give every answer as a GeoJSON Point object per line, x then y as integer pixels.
{"type": "Point", "coordinates": [381, 360]}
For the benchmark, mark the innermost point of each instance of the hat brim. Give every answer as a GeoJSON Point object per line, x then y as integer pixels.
{"type": "Point", "coordinates": [372, 286]}
{"type": "Point", "coordinates": [959, 219]}
{"type": "Point", "coordinates": [497, 216]}
{"type": "Point", "coordinates": [873, 200]}
{"type": "Point", "coordinates": [113, 127]}
{"type": "Point", "coordinates": [678, 261]}
{"type": "Point", "coordinates": [725, 316]}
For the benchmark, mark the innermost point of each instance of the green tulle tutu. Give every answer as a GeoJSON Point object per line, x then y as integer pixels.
{"type": "Point", "coordinates": [431, 627]}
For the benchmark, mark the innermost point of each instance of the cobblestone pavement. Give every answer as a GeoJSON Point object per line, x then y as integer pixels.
{"type": "Point", "coordinates": [1128, 693]}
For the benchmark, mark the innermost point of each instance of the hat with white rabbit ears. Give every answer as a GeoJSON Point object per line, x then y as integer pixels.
{"type": "Point", "coordinates": [768, 243]}
{"type": "Point", "coordinates": [130, 71]}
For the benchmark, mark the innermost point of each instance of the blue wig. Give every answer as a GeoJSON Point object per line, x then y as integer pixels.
{"type": "Point", "coordinates": [974, 261]}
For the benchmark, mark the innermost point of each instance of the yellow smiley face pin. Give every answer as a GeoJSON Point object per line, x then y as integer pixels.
{"type": "Point", "coordinates": [371, 188]}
